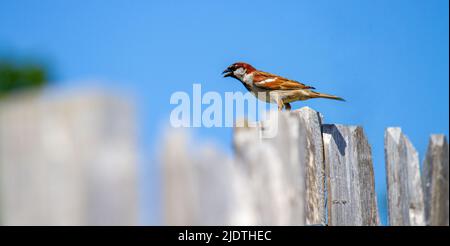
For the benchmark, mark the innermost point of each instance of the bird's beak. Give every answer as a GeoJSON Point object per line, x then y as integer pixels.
{"type": "Point", "coordinates": [227, 73]}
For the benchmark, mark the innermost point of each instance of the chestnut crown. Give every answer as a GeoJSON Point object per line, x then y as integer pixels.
{"type": "Point", "coordinates": [238, 69]}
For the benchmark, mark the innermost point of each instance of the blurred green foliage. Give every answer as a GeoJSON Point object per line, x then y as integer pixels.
{"type": "Point", "coordinates": [16, 76]}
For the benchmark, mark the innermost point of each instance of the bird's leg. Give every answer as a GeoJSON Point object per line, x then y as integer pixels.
{"type": "Point", "coordinates": [287, 106]}
{"type": "Point", "coordinates": [280, 105]}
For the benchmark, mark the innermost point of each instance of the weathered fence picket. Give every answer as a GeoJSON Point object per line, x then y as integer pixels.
{"type": "Point", "coordinates": [404, 185]}
{"type": "Point", "coordinates": [311, 121]}
{"type": "Point", "coordinates": [273, 169]}
{"type": "Point", "coordinates": [68, 160]}
{"type": "Point", "coordinates": [435, 181]}
{"type": "Point", "coordinates": [197, 184]}
{"type": "Point", "coordinates": [350, 177]}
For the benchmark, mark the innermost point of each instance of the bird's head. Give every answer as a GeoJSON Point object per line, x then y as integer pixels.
{"type": "Point", "coordinates": [238, 70]}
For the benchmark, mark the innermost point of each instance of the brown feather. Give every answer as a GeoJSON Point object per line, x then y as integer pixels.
{"type": "Point", "coordinates": [323, 95]}
{"type": "Point", "coordinates": [278, 83]}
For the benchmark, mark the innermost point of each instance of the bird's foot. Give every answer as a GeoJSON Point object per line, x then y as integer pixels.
{"type": "Point", "coordinates": [287, 106]}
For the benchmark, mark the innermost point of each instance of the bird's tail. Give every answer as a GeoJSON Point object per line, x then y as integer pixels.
{"type": "Point", "coordinates": [323, 95]}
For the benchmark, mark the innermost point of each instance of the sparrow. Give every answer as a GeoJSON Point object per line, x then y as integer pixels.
{"type": "Point", "coordinates": [272, 88]}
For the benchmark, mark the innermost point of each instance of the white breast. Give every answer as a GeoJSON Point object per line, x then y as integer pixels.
{"type": "Point", "coordinates": [248, 79]}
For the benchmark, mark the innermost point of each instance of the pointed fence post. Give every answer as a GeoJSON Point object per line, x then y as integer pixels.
{"type": "Point", "coordinates": [404, 185]}
{"type": "Point", "coordinates": [311, 121]}
{"type": "Point", "coordinates": [435, 181]}
{"type": "Point", "coordinates": [350, 177]}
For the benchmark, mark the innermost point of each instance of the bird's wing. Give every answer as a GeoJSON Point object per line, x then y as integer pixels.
{"type": "Point", "coordinates": [270, 81]}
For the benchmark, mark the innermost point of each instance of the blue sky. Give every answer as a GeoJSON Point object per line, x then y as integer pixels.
{"type": "Point", "coordinates": [388, 59]}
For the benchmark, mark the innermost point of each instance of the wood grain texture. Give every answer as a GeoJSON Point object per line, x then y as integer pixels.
{"type": "Point", "coordinates": [350, 177]}
{"type": "Point", "coordinates": [435, 181]}
{"type": "Point", "coordinates": [311, 122]}
{"type": "Point", "coordinates": [404, 185]}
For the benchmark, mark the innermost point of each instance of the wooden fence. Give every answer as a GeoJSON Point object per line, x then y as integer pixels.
{"type": "Point", "coordinates": [71, 160]}
{"type": "Point", "coordinates": [294, 170]}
